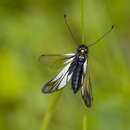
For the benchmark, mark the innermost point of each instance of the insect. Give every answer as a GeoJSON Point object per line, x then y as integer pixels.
{"type": "Point", "coordinates": [75, 68]}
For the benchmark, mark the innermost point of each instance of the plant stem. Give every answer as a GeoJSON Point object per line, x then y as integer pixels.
{"type": "Point", "coordinates": [83, 42]}
{"type": "Point", "coordinates": [51, 111]}
{"type": "Point", "coordinates": [84, 122]}
{"type": "Point", "coordinates": [82, 20]}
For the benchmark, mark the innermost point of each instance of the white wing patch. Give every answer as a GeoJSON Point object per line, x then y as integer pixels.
{"type": "Point", "coordinates": [64, 74]}
{"type": "Point", "coordinates": [61, 79]}
{"type": "Point", "coordinates": [84, 70]}
{"type": "Point", "coordinates": [85, 66]}
{"type": "Point", "coordinates": [69, 54]}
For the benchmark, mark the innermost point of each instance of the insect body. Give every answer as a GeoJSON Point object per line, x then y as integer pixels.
{"type": "Point", "coordinates": [76, 69]}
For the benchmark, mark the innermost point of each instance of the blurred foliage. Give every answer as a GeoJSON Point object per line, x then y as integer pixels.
{"type": "Point", "coordinates": [29, 28]}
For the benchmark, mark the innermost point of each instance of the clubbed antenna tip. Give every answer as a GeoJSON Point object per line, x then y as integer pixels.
{"type": "Point", "coordinates": [113, 26]}
{"type": "Point", "coordinates": [65, 15]}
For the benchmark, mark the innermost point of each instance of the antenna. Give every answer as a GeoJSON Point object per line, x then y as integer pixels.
{"type": "Point", "coordinates": [65, 18]}
{"type": "Point", "coordinates": [112, 27]}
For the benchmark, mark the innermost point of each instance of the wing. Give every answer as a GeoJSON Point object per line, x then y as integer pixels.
{"type": "Point", "coordinates": [55, 61]}
{"type": "Point", "coordinates": [63, 77]}
{"type": "Point", "coordinates": [86, 91]}
{"type": "Point", "coordinates": [59, 81]}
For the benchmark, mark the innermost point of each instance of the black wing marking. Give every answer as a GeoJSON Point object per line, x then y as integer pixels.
{"type": "Point", "coordinates": [86, 91]}
{"type": "Point", "coordinates": [59, 81]}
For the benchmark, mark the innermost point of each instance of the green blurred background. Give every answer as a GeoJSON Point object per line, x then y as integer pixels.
{"type": "Point", "coordinates": [29, 28]}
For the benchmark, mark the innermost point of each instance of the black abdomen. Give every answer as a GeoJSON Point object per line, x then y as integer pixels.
{"type": "Point", "coordinates": [77, 77]}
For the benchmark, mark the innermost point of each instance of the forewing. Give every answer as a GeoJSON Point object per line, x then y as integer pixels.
{"type": "Point", "coordinates": [59, 81]}
{"type": "Point", "coordinates": [86, 91]}
{"type": "Point", "coordinates": [55, 61]}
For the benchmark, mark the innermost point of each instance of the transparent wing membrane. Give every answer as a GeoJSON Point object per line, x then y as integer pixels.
{"type": "Point", "coordinates": [55, 61]}
{"type": "Point", "coordinates": [86, 91]}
